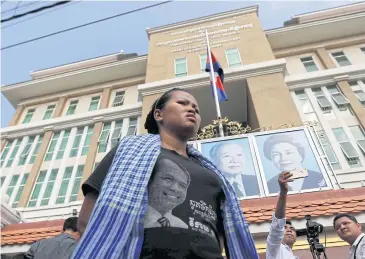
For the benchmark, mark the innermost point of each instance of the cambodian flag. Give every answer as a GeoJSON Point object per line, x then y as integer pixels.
{"type": "Point", "coordinates": [219, 76]}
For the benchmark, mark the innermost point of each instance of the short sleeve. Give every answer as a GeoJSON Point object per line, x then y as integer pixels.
{"type": "Point", "coordinates": [94, 182]}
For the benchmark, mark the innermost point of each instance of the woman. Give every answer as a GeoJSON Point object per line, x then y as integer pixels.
{"type": "Point", "coordinates": [161, 198]}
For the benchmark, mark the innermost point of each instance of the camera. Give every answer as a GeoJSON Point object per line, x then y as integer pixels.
{"type": "Point", "coordinates": [313, 228]}
{"type": "Point", "coordinates": [312, 231]}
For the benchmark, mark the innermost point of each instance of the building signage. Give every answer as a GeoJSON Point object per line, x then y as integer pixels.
{"type": "Point", "coordinates": [227, 31]}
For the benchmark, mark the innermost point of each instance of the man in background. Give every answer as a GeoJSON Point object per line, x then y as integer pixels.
{"type": "Point", "coordinates": [349, 230]}
{"type": "Point", "coordinates": [282, 235]}
{"type": "Point", "coordinates": [61, 246]}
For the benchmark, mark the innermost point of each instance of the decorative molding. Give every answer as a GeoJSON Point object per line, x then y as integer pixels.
{"type": "Point", "coordinates": [97, 119]}
{"type": "Point", "coordinates": [341, 78]}
{"type": "Point", "coordinates": [199, 80]}
{"type": "Point", "coordinates": [77, 79]}
{"type": "Point", "coordinates": [48, 128]}
{"type": "Point", "coordinates": [231, 128]}
{"type": "Point", "coordinates": [71, 121]}
{"type": "Point", "coordinates": [10, 87]}
{"type": "Point", "coordinates": [313, 24]}
{"type": "Point", "coordinates": [204, 19]}
{"type": "Point", "coordinates": [325, 77]}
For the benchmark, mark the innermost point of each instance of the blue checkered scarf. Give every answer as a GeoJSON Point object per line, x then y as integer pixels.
{"type": "Point", "coordinates": [115, 228]}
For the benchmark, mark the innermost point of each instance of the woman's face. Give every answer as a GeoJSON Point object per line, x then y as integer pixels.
{"type": "Point", "coordinates": [286, 157]}
{"type": "Point", "coordinates": [180, 115]}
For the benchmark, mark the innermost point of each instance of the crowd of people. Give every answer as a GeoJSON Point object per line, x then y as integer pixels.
{"type": "Point", "coordinates": [154, 196]}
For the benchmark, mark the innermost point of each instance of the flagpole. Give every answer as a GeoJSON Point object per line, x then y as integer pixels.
{"type": "Point", "coordinates": [212, 76]}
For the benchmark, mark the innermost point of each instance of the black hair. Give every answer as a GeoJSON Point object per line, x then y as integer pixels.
{"type": "Point", "coordinates": [70, 224]}
{"type": "Point", "coordinates": [341, 215]}
{"type": "Point", "coordinates": [151, 124]}
{"type": "Point", "coordinates": [288, 222]}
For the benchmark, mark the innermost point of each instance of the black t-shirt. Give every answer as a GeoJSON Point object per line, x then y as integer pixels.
{"type": "Point", "coordinates": [183, 218]}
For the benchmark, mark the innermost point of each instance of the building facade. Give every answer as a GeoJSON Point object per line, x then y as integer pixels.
{"type": "Point", "coordinates": [307, 77]}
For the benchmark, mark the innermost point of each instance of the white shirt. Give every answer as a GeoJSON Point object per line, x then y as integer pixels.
{"type": "Point", "coordinates": [275, 248]}
{"type": "Point", "coordinates": [360, 252]}
{"type": "Point", "coordinates": [152, 216]}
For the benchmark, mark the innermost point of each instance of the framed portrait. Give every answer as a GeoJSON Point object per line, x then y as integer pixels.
{"type": "Point", "coordinates": [290, 150]}
{"type": "Point", "coordinates": [235, 159]}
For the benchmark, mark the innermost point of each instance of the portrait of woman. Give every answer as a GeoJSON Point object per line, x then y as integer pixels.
{"type": "Point", "coordinates": [289, 151]}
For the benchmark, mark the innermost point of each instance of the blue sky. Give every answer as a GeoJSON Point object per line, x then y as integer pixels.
{"type": "Point", "coordinates": [126, 33]}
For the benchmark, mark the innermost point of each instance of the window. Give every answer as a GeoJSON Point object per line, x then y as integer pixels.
{"type": "Point", "coordinates": [203, 62]}
{"type": "Point", "coordinates": [139, 98]}
{"type": "Point", "coordinates": [49, 112]}
{"type": "Point", "coordinates": [338, 98]}
{"type": "Point", "coordinates": [322, 100]}
{"type": "Point", "coordinates": [64, 185]}
{"type": "Point", "coordinates": [358, 134]}
{"type": "Point", "coordinates": [309, 64]}
{"type": "Point", "coordinates": [341, 58]}
{"type": "Point", "coordinates": [358, 92]}
{"type": "Point", "coordinates": [104, 137]}
{"type": "Point", "coordinates": [363, 50]}
{"type": "Point", "coordinates": [305, 104]}
{"type": "Point", "coordinates": [12, 185]}
{"type": "Point", "coordinates": [36, 149]}
{"type": "Point", "coordinates": [118, 99]}
{"type": "Point", "coordinates": [2, 180]}
{"type": "Point", "coordinates": [116, 133]}
{"type": "Point", "coordinates": [25, 153]}
{"type": "Point", "coordinates": [20, 191]}
{"type": "Point", "coordinates": [181, 68]}
{"type": "Point", "coordinates": [77, 182]}
{"type": "Point", "coordinates": [87, 142]}
{"type": "Point", "coordinates": [72, 107]}
{"type": "Point", "coordinates": [361, 96]}
{"type": "Point", "coordinates": [94, 104]}
{"type": "Point", "coordinates": [29, 115]}
{"type": "Point", "coordinates": [63, 145]}
{"type": "Point", "coordinates": [13, 153]}
{"type": "Point", "coordinates": [52, 146]}
{"type": "Point", "coordinates": [76, 142]}
{"type": "Point", "coordinates": [349, 151]}
{"type": "Point", "coordinates": [49, 187]}
{"type": "Point", "coordinates": [132, 128]}
{"type": "Point", "coordinates": [332, 158]}
{"type": "Point", "coordinates": [37, 188]}
{"type": "Point", "coordinates": [233, 58]}
{"type": "Point", "coordinates": [5, 152]}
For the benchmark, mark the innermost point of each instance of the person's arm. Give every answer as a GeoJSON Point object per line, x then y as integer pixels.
{"type": "Point", "coordinates": [86, 210]}
{"type": "Point", "coordinates": [91, 189]}
{"type": "Point", "coordinates": [276, 233]}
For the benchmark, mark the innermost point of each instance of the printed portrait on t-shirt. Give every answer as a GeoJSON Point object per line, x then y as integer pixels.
{"type": "Point", "coordinates": [167, 190]}
{"type": "Point", "coordinates": [234, 159]}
